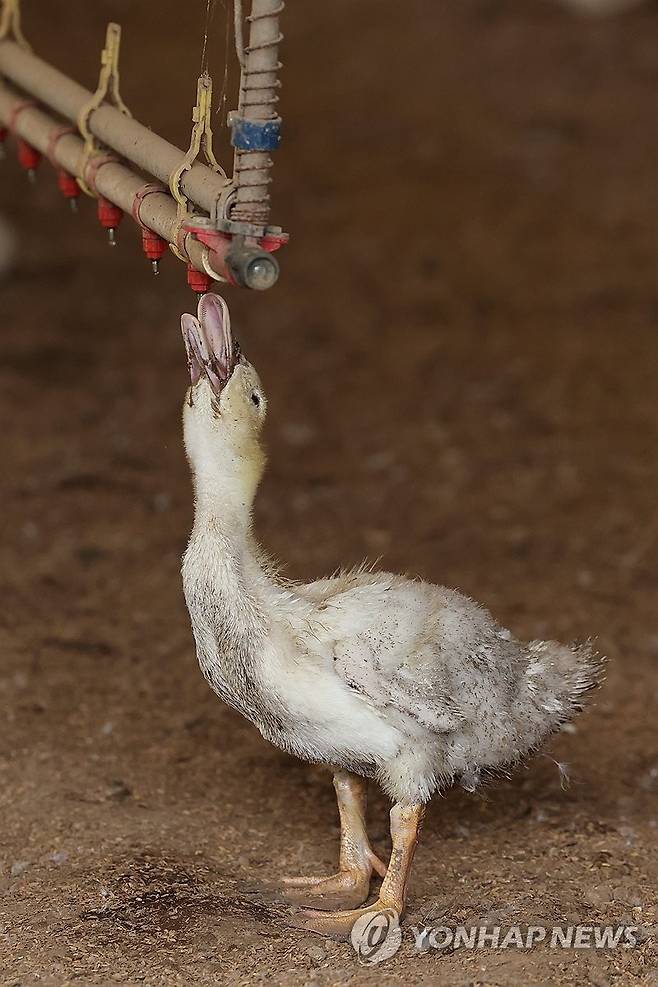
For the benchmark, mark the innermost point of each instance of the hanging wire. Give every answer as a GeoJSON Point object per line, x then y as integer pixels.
{"type": "Point", "coordinates": [205, 57]}
{"type": "Point", "coordinates": [223, 95]}
{"type": "Point", "coordinates": [210, 9]}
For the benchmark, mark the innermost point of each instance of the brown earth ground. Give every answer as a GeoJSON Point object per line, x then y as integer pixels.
{"type": "Point", "coordinates": [460, 360]}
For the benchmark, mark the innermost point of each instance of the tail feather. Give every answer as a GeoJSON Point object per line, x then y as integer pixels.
{"type": "Point", "coordinates": [550, 689]}
{"type": "Point", "coordinates": [558, 679]}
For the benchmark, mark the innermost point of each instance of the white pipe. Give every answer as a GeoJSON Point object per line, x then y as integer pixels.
{"type": "Point", "coordinates": [129, 138]}
{"type": "Point", "coordinates": [114, 181]}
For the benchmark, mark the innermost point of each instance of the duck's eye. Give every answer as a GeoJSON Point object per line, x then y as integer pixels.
{"type": "Point", "coordinates": [255, 397]}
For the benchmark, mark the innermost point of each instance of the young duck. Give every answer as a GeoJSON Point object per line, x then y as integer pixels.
{"type": "Point", "coordinates": [380, 676]}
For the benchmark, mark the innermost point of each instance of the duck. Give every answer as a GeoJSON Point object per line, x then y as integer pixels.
{"type": "Point", "coordinates": [381, 677]}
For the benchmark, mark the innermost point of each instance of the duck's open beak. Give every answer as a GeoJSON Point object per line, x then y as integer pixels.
{"type": "Point", "coordinates": [209, 343]}
{"type": "Point", "coordinates": [189, 328]}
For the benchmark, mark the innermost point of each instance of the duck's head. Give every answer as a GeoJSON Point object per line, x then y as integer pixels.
{"type": "Point", "coordinates": [225, 404]}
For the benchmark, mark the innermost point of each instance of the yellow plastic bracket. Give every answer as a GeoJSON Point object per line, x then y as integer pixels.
{"type": "Point", "coordinates": [10, 23]}
{"type": "Point", "coordinates": [107, 91]}
{"type": "Point", "coordinates": [201, 140]}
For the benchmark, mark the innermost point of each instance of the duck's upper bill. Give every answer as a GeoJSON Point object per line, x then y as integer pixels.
{"type": "Point", "coordinates": [209, 342]}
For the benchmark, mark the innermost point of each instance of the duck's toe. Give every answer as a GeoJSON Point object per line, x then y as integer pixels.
{"type": "Point", "coordinates": [346, 889]}
{"type": "Point", "coordinates": [339, 924]}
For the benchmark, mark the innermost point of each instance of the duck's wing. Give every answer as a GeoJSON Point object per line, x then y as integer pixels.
{"type": "Point", "coordinates": [388, 640]}
{"type": "Point", "coordinates": [332, 588]}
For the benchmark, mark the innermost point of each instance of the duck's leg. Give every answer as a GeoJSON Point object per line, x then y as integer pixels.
{"type": "Point", "coordinates": [351, 885]}
{"type": "Point", "coordinates": [405, 825]}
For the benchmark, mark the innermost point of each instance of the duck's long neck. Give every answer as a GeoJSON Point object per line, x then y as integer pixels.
{"type": "Point", "coordinates": [228, 557]}
{"type": "Point", "coordinates": [229, 598]}
{"type": "Point", "coordinates": [224, 493]}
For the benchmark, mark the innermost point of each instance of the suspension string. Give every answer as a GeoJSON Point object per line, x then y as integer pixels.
{"type": "Point", "coordinates": [210, 9]}
{"type": "Point", "coordinates": [223, 95]}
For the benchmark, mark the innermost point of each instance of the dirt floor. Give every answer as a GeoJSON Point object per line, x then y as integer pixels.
{"type": "Point", "coordinates": [460, 362]}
